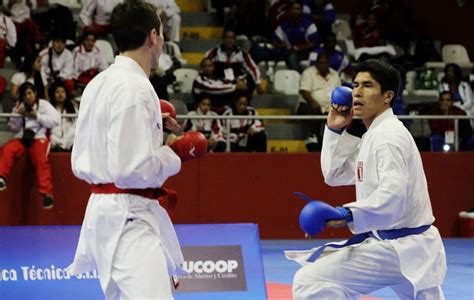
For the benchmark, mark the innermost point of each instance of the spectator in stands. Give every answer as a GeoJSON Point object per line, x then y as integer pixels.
{"type": "Point", "coordinates": [394, 17]}
{"type": "Point", "coordinates": [88, 61]}
{"type": "Point", "coordinates": [31, 72]}
{"type": "Point", "coordinates": [323, 14]}
{"type": "Point", "coordinates": [295, 37]}
{"type": "Point", "coordinates": [338, 60]}
{"type": "Point", "coordinates": [57, 62]}
{"type": "Point", "coordinates": [443, 130]}
{"type": "Point", "coordinates": [460, 89]}
{"type": "Point", "coordinates": [316, 85]}
{"type": "Point", "coordinates": [362, 8]}
{"type": "Point", "coordinates": [232, 64]}
{"type": "Point", "coordinates": [27, 31]}
{"type": "Point", "coordinates": [211, 128]}
{"type": "Point", "coordinates": [169, 13]}
{"type": "Point", "coordinates": [369, 33]}
{"type": "Point", "coordinates": [276, 14]}
{"type": "Point", "coordinates": [246, 135]}
{"type": "Point", "coordinates": [62, 136]}
{"type": "Point", "coordinates": [220, 91]}
{"type": "Point", "coordinates": [7, 36]}
{"type": "Point", "coordinates": [95, 16]}
{"type": "Point", "coordinates": [38, 116]}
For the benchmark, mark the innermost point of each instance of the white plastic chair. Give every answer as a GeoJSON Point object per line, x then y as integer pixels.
{"type": "Point", "coordinates": [106, 49]}
{"type": "Point", "coordinates": [287, 82]}
{"type": "Point", "coordinates": [186, 78]}
{"type": "Point", "coordinates": [454, 53]}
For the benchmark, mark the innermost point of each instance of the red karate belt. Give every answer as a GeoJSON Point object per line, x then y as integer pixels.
{"type": "Point", "coordinates": [166, 197]}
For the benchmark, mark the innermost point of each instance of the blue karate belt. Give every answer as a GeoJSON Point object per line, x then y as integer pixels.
{"type": "Point", "coordinates": [391, 234]}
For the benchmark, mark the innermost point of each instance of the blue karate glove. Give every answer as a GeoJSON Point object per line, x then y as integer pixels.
{"type": "Point", "coordinates": [315, 214]}
{"type": "Point", "coordinates": [342, 96]}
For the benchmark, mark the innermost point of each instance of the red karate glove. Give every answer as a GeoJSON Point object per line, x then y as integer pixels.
{"type": "Point", "coordinates": [190, 145]}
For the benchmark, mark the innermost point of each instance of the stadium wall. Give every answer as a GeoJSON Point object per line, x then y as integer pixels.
{"type": "Point", "coordinates": [239, 188]}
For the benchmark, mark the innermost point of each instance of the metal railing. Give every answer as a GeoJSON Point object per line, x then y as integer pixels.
{"type": "Point", "coordinates": [293, 118]}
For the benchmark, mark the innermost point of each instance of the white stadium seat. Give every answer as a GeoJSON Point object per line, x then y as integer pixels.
{"type": "Point", "coordinates": [287, 82]}
{"type": "Point", "coordinates": [106, 49]}
{"type": "Point", "coordinates": [186, 78]}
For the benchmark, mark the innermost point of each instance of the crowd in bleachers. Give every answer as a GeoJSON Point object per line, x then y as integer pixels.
{"type": "Point", "coordinates": [307, 36]}
{"type": "Point", "coordinates": [49, 54]}
{"type": "Point", "coordinates": [294, 47]}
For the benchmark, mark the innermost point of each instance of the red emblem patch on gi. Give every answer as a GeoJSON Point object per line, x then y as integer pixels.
{"type": "Point", "coordinates": [360, 171]}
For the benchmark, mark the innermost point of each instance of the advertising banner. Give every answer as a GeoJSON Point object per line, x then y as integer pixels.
{"type": "Point", "coordinates": [223, 261]}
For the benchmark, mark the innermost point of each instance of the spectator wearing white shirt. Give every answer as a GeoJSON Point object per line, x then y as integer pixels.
{"type": "Point", "coordinates": [88, 60]}
{"type": "Point", "coordinates": [95, 15]}
{"type": "Point", "coordinates": [57, 62]}
{"type": "Point", "coordinates": [62, 136]}
{"type": "Point", "coordinates": [169, 13]}
{"type": "Point", "coordinates": [27, 31]}
{"type": "Point", "coordinates": [38, 116]}
{"type": "Point", "coordinates": [316, 85]}
{"type": "Point", "coordinates": [211, 128]}
{"type": "Point", "coordinates": [246, 135]}
{"type": "Point", "coordinates": [31, 72]}
{"type": "Point", "coordinates": [7, 36]}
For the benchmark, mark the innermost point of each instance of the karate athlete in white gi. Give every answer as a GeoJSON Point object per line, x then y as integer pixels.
{"type": "Point", "coordinates": [392, 212]}
{"type": "Point", "coordinates": [125, 235]}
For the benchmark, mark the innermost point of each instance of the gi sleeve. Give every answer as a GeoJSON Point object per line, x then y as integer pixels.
{"type": "Point", "coordinates": [338, 157]}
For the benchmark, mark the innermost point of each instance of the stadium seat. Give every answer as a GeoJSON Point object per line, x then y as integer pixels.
{"type": "Point", "coordinates": [185, 77]}
{"type": "Point", "coordinates": [287, 82]}
{"type": "Point", "coordinates": [453, 53]}
{"type": "Point", "coordinates": [106, 48]}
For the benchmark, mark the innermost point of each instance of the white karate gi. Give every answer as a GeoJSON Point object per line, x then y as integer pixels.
{"type": "Point", "coordinates": [119, 136]}
{"type": "Point", "coordinates": [391, 193]}
{"type": "Point", "coordinates": [60, 62]}
{"type": "Point", "coordinates": [47, 117]}
{"type": "Point", "coordinates": [62, 136]}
